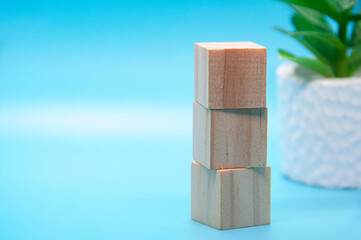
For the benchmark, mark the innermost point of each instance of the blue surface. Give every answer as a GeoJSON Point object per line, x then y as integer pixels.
{"type": "Point", "coordinates": [140, 189]}
{"type": "Point", "coordinates": [133, 187]}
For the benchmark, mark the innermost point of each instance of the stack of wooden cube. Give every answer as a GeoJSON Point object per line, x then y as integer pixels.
{"type": "Point", "coordinates": [230, 176]}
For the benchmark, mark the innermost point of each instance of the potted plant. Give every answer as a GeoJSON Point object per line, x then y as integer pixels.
{"type": "Point", "coordinates": [320, 97]}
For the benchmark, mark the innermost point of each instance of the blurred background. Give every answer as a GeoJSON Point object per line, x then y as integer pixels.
{"type": "Point", "coordinates": [96, 121]}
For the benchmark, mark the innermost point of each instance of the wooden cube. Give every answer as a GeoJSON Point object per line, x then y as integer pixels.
{"type": "Point", "coordinates": [230, 75]}
{"type": "Point", "coordinates": [231, 198]}
{"type": "Point", "coordinates": [230, 138]}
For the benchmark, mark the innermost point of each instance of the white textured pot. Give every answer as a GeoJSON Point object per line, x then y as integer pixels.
{"type": "Point", "coordinates": [321, 128]}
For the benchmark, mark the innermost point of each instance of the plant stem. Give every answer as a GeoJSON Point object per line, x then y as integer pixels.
{"type": "Point", "coordinates": [340, 55]}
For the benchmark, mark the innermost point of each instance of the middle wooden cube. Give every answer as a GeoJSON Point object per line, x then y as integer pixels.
{"type": "Point", "coordinates": [229, 138]}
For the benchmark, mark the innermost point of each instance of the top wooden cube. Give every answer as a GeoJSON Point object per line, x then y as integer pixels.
{"type": "Point", "coordinates": [230, 75]}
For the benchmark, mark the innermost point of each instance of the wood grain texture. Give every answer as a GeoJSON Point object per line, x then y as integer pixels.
{"type": "Point", "coordinates": [230, 138]}
{"type": "Point", "coordinates": [230, 198]}
{"type": "Point", "coordinates": [230, 75]}
{"type": "Point", "coordinates": [201, 73]}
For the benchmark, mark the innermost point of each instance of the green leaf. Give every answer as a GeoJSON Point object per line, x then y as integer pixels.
{"type": "Point", "coordinates": [327, 38]}
{"type": "Point", "coordinates": [313, 17]}
{"type": "Point", "coordinates": [312, 64]}
{"type": "Point", "coordinates": [355, 17]}
{"type": "Point", "coordinates": [345, 6]}
{"type": "Point", "coordinates": [356, 34]}
{"type": "Point", "coordinates": [305, 44]}
{"type": "Point", "coordinates": [322, 6]}
{"type": "Point", "coordinates": [353, 67]}
{"type": "Point", "coordinates": [356, 53]}
{"type": "Point", "coordinates": [302, 24]}
{"type": "Point", "coordinates": [354, 61]}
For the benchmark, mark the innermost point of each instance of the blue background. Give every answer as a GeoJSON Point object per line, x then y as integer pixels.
{"type": "Point", "coordinates": [132, 184]}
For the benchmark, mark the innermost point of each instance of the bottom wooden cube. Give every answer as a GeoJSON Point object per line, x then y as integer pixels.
{"type": "Point", "coordinates": [231, 198]}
